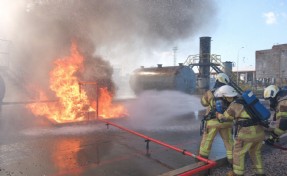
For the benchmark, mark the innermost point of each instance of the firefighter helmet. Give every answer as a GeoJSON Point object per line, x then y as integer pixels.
{"type": "Point", "coordinates": [222, 77]}
{"type": "Point", "coordinates": [270, 91]}
{"type": "Point", "coordinates": [225, 91]}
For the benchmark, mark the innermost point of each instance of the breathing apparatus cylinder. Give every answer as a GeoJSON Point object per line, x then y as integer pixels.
{"type": "Point", "coordinates": [256, 106]}
{"type": "Point", "coordinates": [219, 106]}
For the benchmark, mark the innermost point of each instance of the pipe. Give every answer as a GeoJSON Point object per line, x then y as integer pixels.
{"type": "Point", "coordinates": [204, 60]}
{"type": "Point", "coordinates": [209, 165]}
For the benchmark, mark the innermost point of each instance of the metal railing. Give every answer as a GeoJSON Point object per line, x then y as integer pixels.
{"type": "Point", "coordinates": [209, 163]}
{"type": "Point", "coordinates": [214, 60]}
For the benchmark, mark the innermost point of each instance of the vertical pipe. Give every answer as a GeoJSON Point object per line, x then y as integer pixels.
{"type": "Point", "coordinates": [228, 68]}
{"type": "Point", "coordinates": [204, 61]}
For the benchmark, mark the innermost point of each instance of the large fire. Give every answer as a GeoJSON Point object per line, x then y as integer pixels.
{"type": "Point", "coordinates": [73, 103]}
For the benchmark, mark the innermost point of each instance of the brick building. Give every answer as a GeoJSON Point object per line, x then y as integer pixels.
{"type": "Point", "coordinates": [271, 65]}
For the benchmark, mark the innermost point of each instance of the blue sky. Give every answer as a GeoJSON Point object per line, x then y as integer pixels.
{"type": "Point", "coordinates": [252, 24]}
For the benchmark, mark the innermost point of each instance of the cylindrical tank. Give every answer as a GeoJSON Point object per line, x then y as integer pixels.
{"type": "Point", "coordinates": [227, 68]}
{"type": "Point", "coordinates": [181, 78]}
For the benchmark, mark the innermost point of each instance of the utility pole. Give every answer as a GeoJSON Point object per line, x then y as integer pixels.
{"type": "Point", "coordinates": [174, 55]}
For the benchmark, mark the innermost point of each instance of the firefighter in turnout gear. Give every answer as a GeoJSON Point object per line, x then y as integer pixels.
{"type": "Point", "coordinates": [248, 135]}
{"type": "Point", "coordinates": [210, 125]}
{"type": "Point", "coordinates": [278, 103]}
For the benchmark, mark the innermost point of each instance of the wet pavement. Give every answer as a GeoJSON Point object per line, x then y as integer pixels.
{"type": "Point", "coordinates": [33, 146]}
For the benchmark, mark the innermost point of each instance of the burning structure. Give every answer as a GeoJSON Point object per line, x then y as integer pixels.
{"type": "Point", "coordinates": [102, 32]}
{"type": "Point", "coordinates": [73, 100]}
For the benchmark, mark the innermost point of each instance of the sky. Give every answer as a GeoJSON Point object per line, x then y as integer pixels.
{"type": "Point", "coordinates": [253, 25]}
{"type": "Point", "coordinates": [130, 34]}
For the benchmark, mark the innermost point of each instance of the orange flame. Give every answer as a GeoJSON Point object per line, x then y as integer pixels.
{"type": "Point", "coordinates": [106, 108]}
{"type": "Point", "coordinates": [73, 104]}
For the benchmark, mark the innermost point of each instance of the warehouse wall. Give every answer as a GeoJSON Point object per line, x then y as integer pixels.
{"type": "Point", "coordinates": [271, 65]}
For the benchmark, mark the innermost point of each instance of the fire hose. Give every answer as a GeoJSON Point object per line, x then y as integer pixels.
{"type": "Point", "coordinates": [209, 164]}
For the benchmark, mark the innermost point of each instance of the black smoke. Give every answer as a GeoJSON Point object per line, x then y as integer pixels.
{"type": "Point", "coordinates": [107, 31]}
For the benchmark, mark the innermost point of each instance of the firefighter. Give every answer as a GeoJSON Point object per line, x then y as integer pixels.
{"type": "Point", "coordinates": [278, 102]}
{"type": "Point", "coordinates": [211, 125]}
{"type": "Point", "coordinates": [248, 135]}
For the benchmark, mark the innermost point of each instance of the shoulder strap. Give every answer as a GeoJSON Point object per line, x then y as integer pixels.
{"type": "Point", "coordinates": [247, 109]}
{"type": "Point", "coordinates": [240, 101]}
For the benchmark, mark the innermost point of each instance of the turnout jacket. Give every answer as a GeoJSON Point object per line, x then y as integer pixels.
{"type": "Point", "coordinates": [208, 100]}
{"type": "Point", "coordinates": [281, 114]}
{"type": "Point", "coordinates": [236, 112]}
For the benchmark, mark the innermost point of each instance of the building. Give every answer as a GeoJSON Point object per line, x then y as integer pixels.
{"type": "Point", "coordinates": [271, 65]}
{"type": "Point", "coordinates": [246, 76]}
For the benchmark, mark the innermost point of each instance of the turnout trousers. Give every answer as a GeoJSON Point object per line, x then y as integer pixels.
{"type": "Point", "coordinates": [239, 153]}
{"type": "Point", "coordinates": [208, 137]}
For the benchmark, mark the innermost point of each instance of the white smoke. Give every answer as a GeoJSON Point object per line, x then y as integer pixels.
{"type": "Point", "coordinates": [120, 31]}
{"type": "Point", "coordinates": [155, 108]}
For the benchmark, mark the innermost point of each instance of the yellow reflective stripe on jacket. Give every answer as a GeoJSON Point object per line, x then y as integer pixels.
{"type": "Point", "coordinates": [207, 100]}
{"type": "Point", "coordinates": [281, 110]}
{"type": "Point", "coordinates": [280, 115]}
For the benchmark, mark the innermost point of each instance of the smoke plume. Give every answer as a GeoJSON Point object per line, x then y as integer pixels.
{"type": "Point", "coordinates": [115, 32]}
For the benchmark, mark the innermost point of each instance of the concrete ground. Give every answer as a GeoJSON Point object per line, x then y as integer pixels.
{"type": "Point", "coordinates": [33, 146]}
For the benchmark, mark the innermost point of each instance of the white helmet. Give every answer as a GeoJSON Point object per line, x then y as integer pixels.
{"type": "Point", "coordinates": [270, 91]}
{"type": "Point", "coordinates": [225, 91]}
{"type": "Point", "coordinates": [223, 78]}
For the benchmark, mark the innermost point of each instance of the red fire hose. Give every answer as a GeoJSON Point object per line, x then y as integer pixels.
{"type": "Point", "coordinates": [209, 164]}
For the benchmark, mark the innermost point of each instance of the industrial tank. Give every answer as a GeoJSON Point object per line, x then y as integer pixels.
{"type": "Point", "coordinates": [181, 78]}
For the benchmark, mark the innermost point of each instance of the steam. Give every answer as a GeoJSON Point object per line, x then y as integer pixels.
{"type": "Point", "coordinates": [155, 108]}
{"type": "Point", "coordinates": [121, 32]}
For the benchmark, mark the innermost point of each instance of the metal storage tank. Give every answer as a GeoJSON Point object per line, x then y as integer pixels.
{"type": "Point", "coordinates": [181, 78]}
